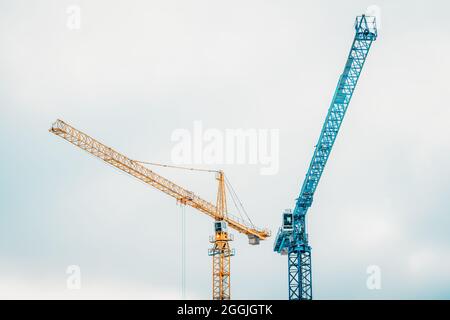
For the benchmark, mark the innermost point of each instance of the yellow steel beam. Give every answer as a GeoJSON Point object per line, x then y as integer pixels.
{"type": "Point", "coordinates": [137, 170]}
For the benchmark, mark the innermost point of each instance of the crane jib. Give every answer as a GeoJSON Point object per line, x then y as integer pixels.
{"type": "Point", "coordinates": [135, 169]}
{"type": "Point", "coordinates": [336, 112]}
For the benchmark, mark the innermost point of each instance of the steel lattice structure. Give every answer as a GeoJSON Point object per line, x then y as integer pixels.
{"type": "Point", "coordinates": [293, 241]}
{"type": "Point", "coordinates": [221, 251]}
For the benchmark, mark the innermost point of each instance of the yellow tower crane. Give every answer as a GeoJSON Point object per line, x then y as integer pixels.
{"type": "Point", "coordinates": [221, 250]}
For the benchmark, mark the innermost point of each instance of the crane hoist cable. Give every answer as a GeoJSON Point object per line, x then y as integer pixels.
{"type": "Point", "coordinates": [238, 200]}
{"type": "Point", "coordinates": [234, 197]}
{"type": "Point", "coordinates": [175, 167]}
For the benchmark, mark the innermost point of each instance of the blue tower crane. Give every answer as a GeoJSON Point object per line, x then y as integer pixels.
{"type": "Point", "coordinates": [292, 238]}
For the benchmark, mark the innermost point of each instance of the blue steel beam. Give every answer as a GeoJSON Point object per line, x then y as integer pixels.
{"type": "Point", "coordinates": [294, 242]}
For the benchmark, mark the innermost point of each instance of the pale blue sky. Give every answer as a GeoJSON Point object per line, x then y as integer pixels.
{"type": "Point", "coordinates": [138, 70]}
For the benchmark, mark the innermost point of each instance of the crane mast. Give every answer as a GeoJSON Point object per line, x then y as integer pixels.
{"type": "Point", "coordinates": [221, 251]}
{"type": "Point", "coordinates": [292, 236]}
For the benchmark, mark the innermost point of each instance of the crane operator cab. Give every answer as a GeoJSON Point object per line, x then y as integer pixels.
{"type": "Point", "coordinates": [221, 232]}
{"type": "Point", "coordinates": [220, 226]}
{"type": "Point", "coordinates": [288, 220]}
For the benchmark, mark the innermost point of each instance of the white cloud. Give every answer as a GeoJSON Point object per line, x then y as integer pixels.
{"type": "Point", "coordinates": [369, 229]}
{"type": "Point", "coordinates": [19, 288]}
{"type": "Point", "coordinates": [429, 262]}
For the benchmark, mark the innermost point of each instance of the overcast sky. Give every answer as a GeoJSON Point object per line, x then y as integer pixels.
{"type": "Point", "coordinates": [136, 71]}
